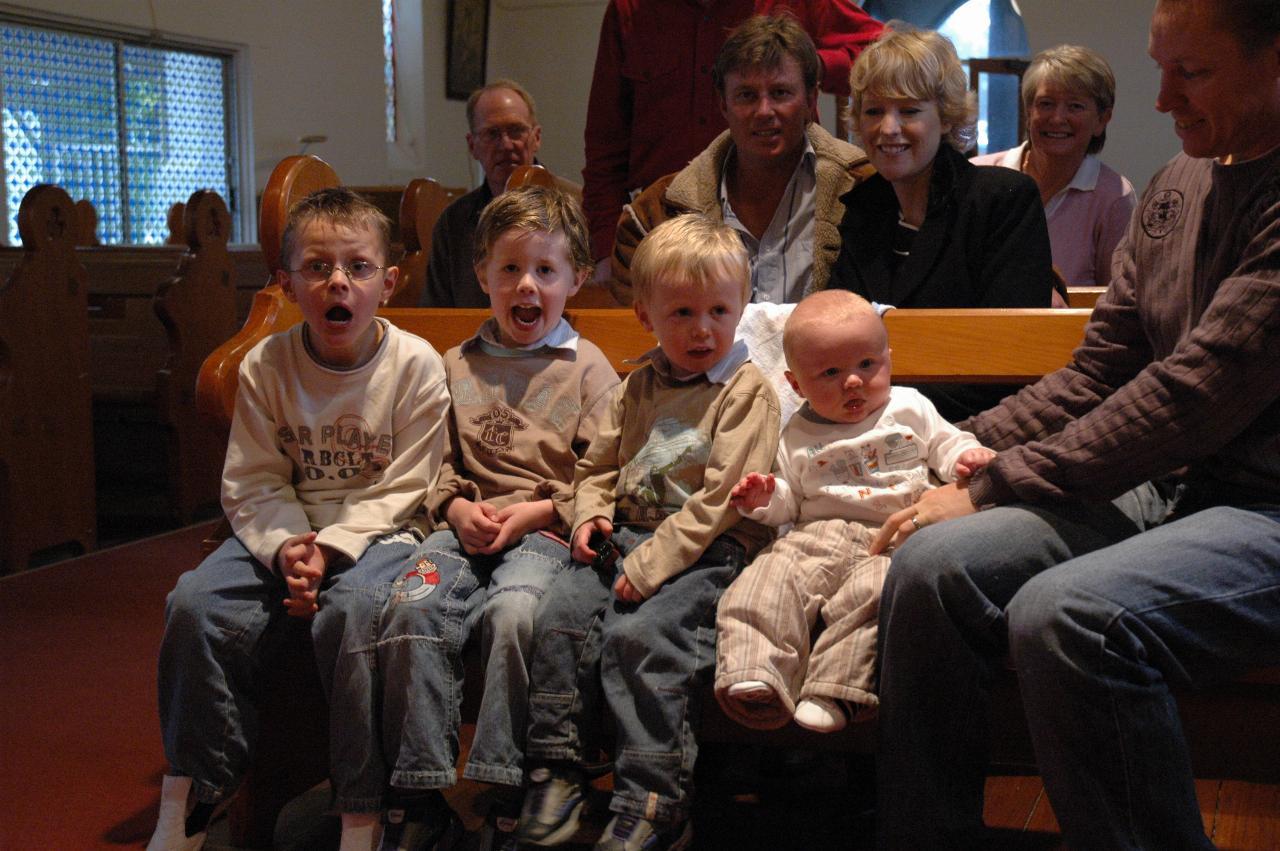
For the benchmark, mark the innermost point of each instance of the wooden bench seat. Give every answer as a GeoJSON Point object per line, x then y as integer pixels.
{"type": "Point", "coordinates": [999, 346]}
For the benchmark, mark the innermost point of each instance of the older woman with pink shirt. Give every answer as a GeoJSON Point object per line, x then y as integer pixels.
{"type": "Point", "coordinates": [1068, 93]}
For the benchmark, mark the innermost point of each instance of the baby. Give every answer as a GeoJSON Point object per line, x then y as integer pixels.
{"type": "Point", "coordinates": [856, 451]}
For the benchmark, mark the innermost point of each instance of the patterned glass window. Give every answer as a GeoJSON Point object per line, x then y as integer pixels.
{"type": "Point", "coordinates": [132, 153]}
{"type": "Point", "coordinates": [389, 64]}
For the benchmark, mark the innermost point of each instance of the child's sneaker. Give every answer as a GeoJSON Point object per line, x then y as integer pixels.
{"type": "Point", "coordinates": [822, 714]}
{"type": "Point", "coordinates": [183, 823]}
{"type": "Point", "coordinates": [632, 833]}
{"type": "Point", "coordinates": [752, 691]}
{"type": "Point", "coordinates": [421, 822]}
{"type": "Point", "coordinates": [499, 830]}
{"type": "Point", "coordinates": [552, 808]}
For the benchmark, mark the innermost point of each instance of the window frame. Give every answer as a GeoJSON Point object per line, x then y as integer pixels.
{"type": "Point", "coordinates": [238, 129]}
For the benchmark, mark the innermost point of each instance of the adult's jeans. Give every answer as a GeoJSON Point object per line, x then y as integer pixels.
{"type": "Point", "coordinates": [943, 636]}
{"type": "Point", "coordinates": [650, 662]}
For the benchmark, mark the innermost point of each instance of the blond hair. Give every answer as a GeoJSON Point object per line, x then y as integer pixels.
{"type": "Point", "coordinates": [692, 249]}
{"type": "Point", "coordinates": [918, 64]}
{"type": "Point", "coordinates": [1077, 69]}
{"type": "Point", "coordinates": [534, 208]}
{"type": "Point", "coordinates": [825, 307]}
{"type": "Point", "coordinates": [337, 206]}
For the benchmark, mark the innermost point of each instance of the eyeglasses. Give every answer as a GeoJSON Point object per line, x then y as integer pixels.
{"type": "Point", "coordinates": [514, 132]}
{"type": "Point", "coordinates": [317, 270]}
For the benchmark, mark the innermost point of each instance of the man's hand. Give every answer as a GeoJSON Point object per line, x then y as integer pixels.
{"type": "Point", "coordinates": [935, 506]}
{"type": "Point", "coordinates": [753, 491]}
{"type": "Point", "coordinates": [475, 523]}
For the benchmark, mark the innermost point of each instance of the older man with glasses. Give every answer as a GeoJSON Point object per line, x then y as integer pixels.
{"type": "Point", "coordinates": [504, 134]}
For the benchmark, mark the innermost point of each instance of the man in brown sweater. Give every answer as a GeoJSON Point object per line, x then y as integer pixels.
{"type": "Point", "coordinates": [1126, 540]}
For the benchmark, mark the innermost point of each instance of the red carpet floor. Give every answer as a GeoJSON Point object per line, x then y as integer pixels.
{"type": "Point", "coordinates": [80, 755]}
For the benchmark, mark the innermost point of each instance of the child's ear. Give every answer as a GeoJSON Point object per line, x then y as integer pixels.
{"type": "Point", "coordinates": [286, 284]}
{"type": "Point", "coordinates": [580, 279]}
{"type": "Point", "coordinates": [391, 277]}
{"type": "Point", "coordinates": [484, 286]}
{"type": "Point", "coordinates": [791, 379]}
{"type": "Point", "coordinates": [642, 313]}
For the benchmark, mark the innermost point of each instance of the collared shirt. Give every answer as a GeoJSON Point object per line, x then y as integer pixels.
{"type": "Point", "coordinates": [782, 259]}
{"type": "Point", "coordinates": [562, 336]}
{"type": "Point", "coordinates": [720, 373]}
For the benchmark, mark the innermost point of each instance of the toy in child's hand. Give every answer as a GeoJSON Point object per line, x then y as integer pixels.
{"type": "Point", "coordinates": [606, 552]}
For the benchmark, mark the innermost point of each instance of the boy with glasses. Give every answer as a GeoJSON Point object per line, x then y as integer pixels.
{"type": "Point", "coordinates": [338, 434]}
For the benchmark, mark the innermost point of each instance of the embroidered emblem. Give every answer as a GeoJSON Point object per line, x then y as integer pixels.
{"type": "Point", "coordinates": [1161, 213]}
{"type": "Point", "coordinates": [498, 429]}
{"type": "Point", "coordinates": [418, 583]}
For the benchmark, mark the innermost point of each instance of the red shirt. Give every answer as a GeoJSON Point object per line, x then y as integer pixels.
{"type": "Point", "coordinates": [653, 106]}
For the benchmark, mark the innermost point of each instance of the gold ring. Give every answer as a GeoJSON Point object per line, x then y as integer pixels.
{"type": "Point", "coordinates": [915, 521]}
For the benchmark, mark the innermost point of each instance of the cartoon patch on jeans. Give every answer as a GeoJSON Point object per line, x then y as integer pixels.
{"type": "Point", "coordinates": [418, 583]}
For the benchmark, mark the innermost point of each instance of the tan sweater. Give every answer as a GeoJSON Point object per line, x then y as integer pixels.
{"type": "Point", "coordinates": [519, 422]}
{"type": "Point", "coordinates": [667, 456]}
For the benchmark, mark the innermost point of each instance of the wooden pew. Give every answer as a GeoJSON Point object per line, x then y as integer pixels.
{"type": "Point", "coordinates": [197, 307]}
{"type": "Point", "coordinates": [423, 201]}
{"type": "Point", "coordinates": [1084, 297]}
{"type": "Point", "coordinates": [1001, 346]}
{"type": "Point", "coordinates": [46, 439]}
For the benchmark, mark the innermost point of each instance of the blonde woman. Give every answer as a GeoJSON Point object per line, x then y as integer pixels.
{"type": "Point", "coordinates": [930, 229]}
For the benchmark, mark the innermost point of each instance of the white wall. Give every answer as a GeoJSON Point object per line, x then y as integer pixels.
{"type": "Point", "coordinates": [315, 67]}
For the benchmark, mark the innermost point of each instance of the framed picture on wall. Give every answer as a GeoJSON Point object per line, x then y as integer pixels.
{"type": "Point", "coordinates": [468, 42]}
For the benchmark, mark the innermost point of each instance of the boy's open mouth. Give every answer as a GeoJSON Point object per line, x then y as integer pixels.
{"type": "Point", "coordinates": [338, 313]}
{"type": "Point", "coordinates": [526, 314]}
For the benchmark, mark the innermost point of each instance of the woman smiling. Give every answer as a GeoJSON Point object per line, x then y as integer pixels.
{"type": "Point", "coordinates": [1068, 93]}
{"type": "Point", "coordinates": [930, 229]}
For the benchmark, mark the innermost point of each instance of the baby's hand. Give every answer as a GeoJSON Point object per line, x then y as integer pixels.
{"type": "Point", "coordinates": [973, 460]}
{"type": "Point", "coordinates": [475, 523]}
{"type": "Point", "coordinates": [582, 549]}
{"type": "Point", "coordinates": [624, 590]}
{"type": "Point", "coordinates": [752, 492]}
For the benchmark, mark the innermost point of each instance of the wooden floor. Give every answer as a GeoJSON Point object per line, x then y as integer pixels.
{"type": "Point", "coordinates": [80, 756]}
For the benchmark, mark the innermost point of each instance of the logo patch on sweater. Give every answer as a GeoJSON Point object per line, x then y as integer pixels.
{"type": "Point", "coordinates": [1161, 213]}
{"type": "Point", "coordinates": [498, 429]}
{"type": "Point", "coordinates": [417, 583]}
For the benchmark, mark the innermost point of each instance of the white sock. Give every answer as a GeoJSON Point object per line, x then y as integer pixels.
{"type": "Point", "coordinates": [821, 714]}
{"type": "Point", "coordinates": [752, 691]}
{"type": "Point", "coordinates": [171, 825]}
{"type": "Point", "coordinates": [360, 831]}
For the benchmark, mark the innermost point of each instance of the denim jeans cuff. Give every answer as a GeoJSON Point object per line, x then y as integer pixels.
{"type": "Point", "coordinates": [507, 775]}
{"type": "Point", "coordinates": [440, 779]}
{"type": "Point", "coordinates": [661, 811]}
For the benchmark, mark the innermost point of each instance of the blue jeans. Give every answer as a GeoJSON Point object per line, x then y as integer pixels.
{"type": "Point", "coordinates": [430, 632]}
{"type": "Point", "coordinates": [1104, 610]}
{"type": "Point", "coordinates": [650, 662]}
{"type": "Point", "coordinates": [214, 619]}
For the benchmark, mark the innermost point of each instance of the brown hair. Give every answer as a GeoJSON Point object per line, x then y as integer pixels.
{"type": "Point", "coordinates": [764, 41]}
{"type": "Point", "coordinates": [534, 208]}
{"type": "Point", "coordinates": [335, 205]}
